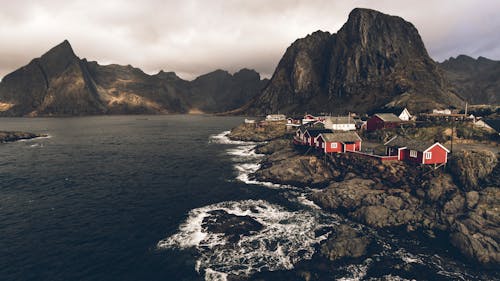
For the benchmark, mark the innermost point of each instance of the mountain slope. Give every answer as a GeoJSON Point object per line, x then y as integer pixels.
{"type": "Point", "coordinates": [375, 60]}
{"type": "Point", "coordinates": [61, 84]}
{"type": "Point", "coordinates": [477, 80]}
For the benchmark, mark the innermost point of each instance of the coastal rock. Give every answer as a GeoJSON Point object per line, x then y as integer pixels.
{"type": "Point", "coordinates": [470, 167]}
{"type": "Point", "coordinates": [345, 242]}
{"type": "Point", "coordinates": [274, 146]}
{"type": "Point", "coordinates": [477, 234]}
{"type": "Point", "coordinates": [258, 132]}
{"type": "Point", "coordinates": [232, 226]}
{"type": "Point", "coordinates": [298, 171]}
{"type": "Point", "coordinates": [15, 136]}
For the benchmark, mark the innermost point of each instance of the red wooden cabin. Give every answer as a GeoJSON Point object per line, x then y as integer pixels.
{"type": "Point", "coordinates": [338, 142]}
{"type": "Point", "coordinates": [417, 151]}
{"type": "Point", "coordinates": [382, 121]}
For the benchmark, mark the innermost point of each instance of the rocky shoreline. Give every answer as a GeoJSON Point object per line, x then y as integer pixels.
{"type": "Point", "coordinates": [462, 201]}
{"type": "Point", "coordinates": [15, 136]}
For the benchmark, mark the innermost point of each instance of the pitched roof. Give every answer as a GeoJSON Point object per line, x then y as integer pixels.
{"type": "Point", "coordinates": [388, 117]}
{"type": "Point", "coordinates": [340, 120]}
{"type": "Point", "coordinates": [412, 144]}
{"type": "Point", "coordinates": [341, 137]}
{"type": "Point", "coordinates": [493, 123]}
{"type": "Point", "coordinates": [315, 132]}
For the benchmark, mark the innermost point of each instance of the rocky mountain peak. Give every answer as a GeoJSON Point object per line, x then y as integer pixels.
{"type": "Point", "coordinates": [374, 61]}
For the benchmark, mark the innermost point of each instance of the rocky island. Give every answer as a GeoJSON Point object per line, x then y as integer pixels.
{"type": "Point", "coordinates": [15, 136]}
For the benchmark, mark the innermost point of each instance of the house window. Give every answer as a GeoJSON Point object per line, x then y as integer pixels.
{"type": "Point", "coordinates": [322, 145]}
{"type": "Point", "coordinates": [428, 155]}
{"type": "Point", "coordinates": [413, 153]}
{"type": "Point", "coordinates": [333, 145]}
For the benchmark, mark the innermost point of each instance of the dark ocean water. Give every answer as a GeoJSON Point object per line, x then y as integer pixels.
{"type": "Point", "coordinates": [121, 198]}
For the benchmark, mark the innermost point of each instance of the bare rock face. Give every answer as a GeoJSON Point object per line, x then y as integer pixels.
{"type": "Point", "coordinates": [478, 233]}
{"type": "Point", "coordinates": [470, 167]}
{"type": "Point", "coordinates": [375, 60]}
{"type": "Point", "coordinates": [345, 242]}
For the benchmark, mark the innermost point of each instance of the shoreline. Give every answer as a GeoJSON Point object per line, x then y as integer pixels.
{"type": "Point", "coordinates": [396, 195]}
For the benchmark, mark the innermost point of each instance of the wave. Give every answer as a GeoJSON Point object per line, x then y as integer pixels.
{"type": "Point", "coordinates": [286, 238]}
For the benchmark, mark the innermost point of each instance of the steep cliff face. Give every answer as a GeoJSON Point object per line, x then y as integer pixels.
{"type": "Point", "coordinates": [61, 84]}
{"type": "Point", "coordinates": [375, 60]}
{"type": "Point", "coordinates": [476, 80]}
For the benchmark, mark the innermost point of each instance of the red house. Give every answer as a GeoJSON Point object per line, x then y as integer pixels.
{"type": "Point", "coordinates": [311, 134]}
{"type": "Point", "coordinates": [417, 151]}
{"type": "Point", "coordinates": [382, 121]}
{"type": "Point", "coordinates": [338, 142]}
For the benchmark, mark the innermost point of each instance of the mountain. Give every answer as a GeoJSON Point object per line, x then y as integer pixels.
{"type": "Point", "coordinates": [477, 80]}
{"type": "Point", "coordinates": [220, 91]}
{"type": "Point", "coordinates": [374, 61]}
{"type": "Point", "coordinates": [61, 84]}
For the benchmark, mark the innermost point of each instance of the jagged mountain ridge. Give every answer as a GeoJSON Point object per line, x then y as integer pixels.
{"type": "Point", "coordinates": [476, 80]}
{"type": "Point", "coordinates": [374, 61]}
{"type": "Point", "coordinates": [61, 84]}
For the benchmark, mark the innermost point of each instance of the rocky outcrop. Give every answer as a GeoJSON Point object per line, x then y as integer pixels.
{"type": "Point", "coordinates": [15, 136]}
{"type": "Point", "coordinates": [258, 132]}
{"type": "Point", "coordinates": [345, 242]}
{"type": "Point", "coordinates": [59, 83]}
{"type": "Point", "coordinates": [478, 232]}
{"type": "Point", "coordinates": [232, 226]}
{"type": "Point", "coordinates": [375, 60]}
{"type": "Point", "coordinates": [476, 80]}
{"type": "Point", "coordinates": [469, 167]}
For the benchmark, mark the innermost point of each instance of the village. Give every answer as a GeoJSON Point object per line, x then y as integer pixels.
{"type": "Point", "coordinates": [422, 139]}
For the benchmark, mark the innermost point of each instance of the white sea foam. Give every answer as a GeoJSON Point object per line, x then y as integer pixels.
{"type": "Point", "coordinates": [408, 257]}
{"type": "Point", "coordinates": [286, 238]}
{"type": "Point", "coordinates": [356, 271]}
{"type": "Point", "coordinates": [223, 138]}
{"type": "Point", "coordinates": [37, 138]}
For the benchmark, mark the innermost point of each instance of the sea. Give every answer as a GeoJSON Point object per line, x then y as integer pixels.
{"type": "Point", "coordinates": [130, 197]}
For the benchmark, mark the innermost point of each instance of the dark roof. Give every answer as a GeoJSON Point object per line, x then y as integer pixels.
{"type": "Point", "coordinates": [341, 137]}
{"type": "Point", "coordinates": [388, 117]}
{"type": "Point", "coordinates": [412, 144]}
{"type": "Point", "coordinates": [493, 123]}
{"type": "Point", "coordinates": [315, 132]}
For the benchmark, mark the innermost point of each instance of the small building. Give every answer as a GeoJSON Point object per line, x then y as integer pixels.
{"type": "Point", "coordinates": [405, 115]}
{"type": "Point", "coordinates": [275, 117]}
{"type": "Point", "coordinates": [249, 121]}
{"type": "Point", "coordinates": [340, 123]}
{"type": "Point", "coordinates": [442, 111]}
{"type": "Point", "coordinates": [338, 142]}
{"type": "Point", "coordinates": [311, 134]}
{"type": "Point", "coordinates": [382, 121]}
{"type": "Point", "coordinates": [415, 151]}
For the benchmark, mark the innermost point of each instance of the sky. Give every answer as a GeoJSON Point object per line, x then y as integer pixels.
{"type": "Point", "coordinates": [195, 37]}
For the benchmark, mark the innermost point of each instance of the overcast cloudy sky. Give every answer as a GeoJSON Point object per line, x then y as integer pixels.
{"type": "Point", "coordinates": [195, 37]}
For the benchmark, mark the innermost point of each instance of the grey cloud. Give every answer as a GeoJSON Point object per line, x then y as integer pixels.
{"type": "Point", "coordinates": [194, 37]}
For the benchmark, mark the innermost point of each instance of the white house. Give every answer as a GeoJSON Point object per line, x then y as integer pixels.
{"type": "Point", "coordinates": [442, 111]}
{"type": "Point", "coordinates": [405, 115]}
{"type": "Point", "coordinates": [341, 123]}
{"type": "Point", "coordinates": [275, 117]}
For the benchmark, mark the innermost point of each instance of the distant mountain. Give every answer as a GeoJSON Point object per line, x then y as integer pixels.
{"type": "Point", "coordinates": [374, 61]}
{"type": "Point", "coordinates": [220, 91]}
{"type": "Point", "coordinates": [61, 84]}
{"type": "Point", "coordinates": [476, 80]}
